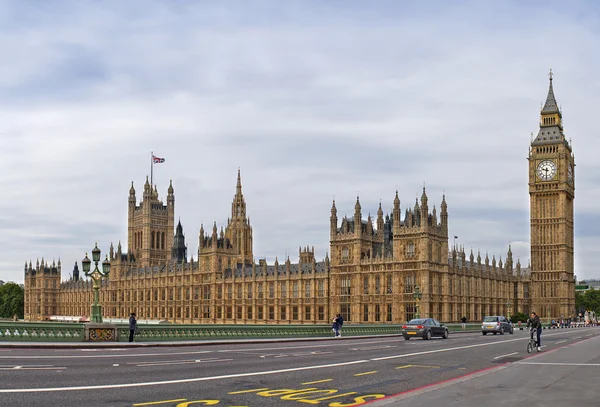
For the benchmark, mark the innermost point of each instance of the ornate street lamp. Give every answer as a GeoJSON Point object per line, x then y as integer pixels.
{"type": "Point", "coordinates": [96, 275]}
{"type": "Point", "coordinates": [417, 296]}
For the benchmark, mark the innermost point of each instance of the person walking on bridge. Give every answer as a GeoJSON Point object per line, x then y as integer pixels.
{"type": "Point", "coordinates": [132, 326]}
{"type": "Point", "coordinates": [536, 326]}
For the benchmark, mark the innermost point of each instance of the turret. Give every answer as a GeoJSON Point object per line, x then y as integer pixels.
{"type": "Point", "coordinates": [357, 218]}
{"type": "Point", "coordinates": [333, 221]}
{"type": "Point", "coordinates": [147, 190]}
{"type": "Point", "coordinates": [76, 272]}
{"type": "Point", "coordinates": [444, 213]}
{"type": "Point", "coordinates": [424, 210]}
{"type": "Point", "coordinates": [201, 237]}
{"type": "Point", "coordinates": [396, 213]}
{"type": "Point", "coordinates": [369, 226]}
{"type": "Point", "coordinates": [380, 220]}
{"type": "Point", "coordinates": [170, 194]}
{"type": "Point", "coordinates": [214, 235]}
{"type": "Point", "coordinates": [509, 259]}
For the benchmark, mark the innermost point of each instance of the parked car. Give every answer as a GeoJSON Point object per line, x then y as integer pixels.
{"type": "Point", "coordinates": [496, 324]}
{"type": "Point", "coordinates": [425, 328]}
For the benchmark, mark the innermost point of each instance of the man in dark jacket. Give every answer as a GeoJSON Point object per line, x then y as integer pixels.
{"type": "Point", "coordinates": [536, 326]}
{"type": "Point", "coordinates": [132, 326]}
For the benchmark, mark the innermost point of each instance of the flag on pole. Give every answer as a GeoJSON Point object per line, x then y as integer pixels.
{"type": "Point", "coordinates": [157, 160]}
{"type": "Point", "coordinates": [456, 237]}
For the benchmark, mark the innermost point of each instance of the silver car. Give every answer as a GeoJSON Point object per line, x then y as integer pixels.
{"type": "Point", "coordinates": [496, 324]}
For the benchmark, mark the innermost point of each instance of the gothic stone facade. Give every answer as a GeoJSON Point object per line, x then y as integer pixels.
{"type": "Point", "coordinates": [371, 277]}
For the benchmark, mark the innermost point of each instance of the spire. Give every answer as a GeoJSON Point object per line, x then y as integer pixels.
{"type": "Point", "coordinates": [357, 207]}
{"type": "Point", "coordinates": [550, 106]}
{"type": "Point", "coordinates": [551, 129]}
{"type": "Point", "coordinates": [238, 188]}
{"type": "Point", "coordinates": [132, 190]}
{"type": "Point", "coordinates": [170, 190]}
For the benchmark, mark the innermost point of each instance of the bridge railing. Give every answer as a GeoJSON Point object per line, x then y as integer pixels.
{"type": "Point", "coordinates": [75, 332]}
{"type": "Point", "coordinates": [41, 332]}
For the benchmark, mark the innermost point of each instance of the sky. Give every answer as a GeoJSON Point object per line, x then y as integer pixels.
{"type": "Point", "coordinates": [310, 99]}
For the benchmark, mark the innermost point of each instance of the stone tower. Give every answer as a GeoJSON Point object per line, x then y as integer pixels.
{"type": "Point", "coordinates": [179, 251]}
{"type": "Point", "coordinates": [150, 226]}
{"type": "Point", "coordinates": [238, 230]}
{"type": "Point", "coordinates": [551, 192]}
{"type": "Point", "coordinates": [42, 284]}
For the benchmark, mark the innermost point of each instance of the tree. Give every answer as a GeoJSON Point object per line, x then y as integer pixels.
{"type": "Point", "coordinates": [12, 300]}
{"type": "Point", "coordinates": [518, 316]}
{"type": "Point", "coordinates": [589, 300]}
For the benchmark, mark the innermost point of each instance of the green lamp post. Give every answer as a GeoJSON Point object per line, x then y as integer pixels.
{"type": "Point", "coordinates": [96, 275]}
{"type": "Point", "coordinates": [417, 295]}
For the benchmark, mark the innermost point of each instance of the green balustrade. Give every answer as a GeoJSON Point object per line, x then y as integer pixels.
{"type": "Point", "coordinates": [74, 332]}
{"type": "Point", "coordinates": [41, 332]}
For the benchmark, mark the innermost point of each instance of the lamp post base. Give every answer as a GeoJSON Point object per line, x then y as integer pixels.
{"type": "Point", "coordinates": [96, 314]}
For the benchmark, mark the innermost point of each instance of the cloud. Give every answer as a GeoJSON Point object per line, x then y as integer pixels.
{"type": "Point", "coordinates": [310, 99]}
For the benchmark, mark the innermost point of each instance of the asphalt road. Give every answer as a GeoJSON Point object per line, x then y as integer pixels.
{"type": "Point", "coordinates": [338, 372]}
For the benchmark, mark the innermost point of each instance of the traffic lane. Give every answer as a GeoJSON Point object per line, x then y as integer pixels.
{"type": "Point", "coordinates": [336, 386]}
{"type": "Point", "coordinates": [119, 368]}
{"type": "Point", "coordinates": [372, 379]}
{"type": "Point", "coordinates": [243, 360]}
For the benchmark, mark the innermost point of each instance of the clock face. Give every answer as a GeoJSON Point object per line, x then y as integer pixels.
{"type": "Point", "coordinates": [546, 170]}
{"type": "Point", "coordinates": [570, 174]}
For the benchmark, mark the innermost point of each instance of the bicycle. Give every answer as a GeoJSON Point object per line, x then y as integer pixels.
{"type": "Point", "coordinates": [532, 344]}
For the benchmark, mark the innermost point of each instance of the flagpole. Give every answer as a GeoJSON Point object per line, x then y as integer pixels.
{"type": "Point", "coordinates": [151, 166]}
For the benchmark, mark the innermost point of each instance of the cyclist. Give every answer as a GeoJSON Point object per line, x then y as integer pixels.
{"type": "Point", "coordinates": [536, 325]}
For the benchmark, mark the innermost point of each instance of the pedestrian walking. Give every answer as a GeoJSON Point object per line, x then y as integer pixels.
{"type": "Point", "coordinates": [464, 323]}
{"type": "Point", "coordinates": [335, 326]}
{"type": "Point", "coordinates": [132, 326]}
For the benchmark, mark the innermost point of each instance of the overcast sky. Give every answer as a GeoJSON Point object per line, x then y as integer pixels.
{"type": "Point", "coordinates": [311, 99]}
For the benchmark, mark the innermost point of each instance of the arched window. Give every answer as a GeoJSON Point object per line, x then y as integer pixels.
{"type": "Point", "coordinates": [410, 249]}
{"type": "Point", "coordinates": [163, 240]}
{"type": "Point", "coordinates": [152, 243]}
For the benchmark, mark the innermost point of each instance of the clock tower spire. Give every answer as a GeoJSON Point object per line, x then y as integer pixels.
{"type": "Point", "coordinates": [551, 194]}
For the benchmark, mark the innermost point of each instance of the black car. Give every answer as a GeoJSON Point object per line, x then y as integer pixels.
{"type": "Point", "coordinates": [425, 328]}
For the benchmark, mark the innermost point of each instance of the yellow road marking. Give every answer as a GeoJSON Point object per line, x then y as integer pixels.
{"type": "Point", "coordinates": [247, 391]}
{"type": "Point", "coordinates": [158, 402]}
{"type": "Point", "coordinates": [365, 373]}
{"type": "Point", "coordinates": [424, 366]}
{"type": "Point", "coordinates": [317, 381]}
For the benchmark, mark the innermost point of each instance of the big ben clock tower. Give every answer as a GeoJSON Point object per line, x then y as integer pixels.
{"type": "Point", "coordinates": [551, 193]}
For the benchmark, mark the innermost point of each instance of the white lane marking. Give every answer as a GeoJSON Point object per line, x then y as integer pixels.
{"type": "Point", "coordinates": [284, 355]}
{"type": "Point", "coordinates": [455, 348]}
{"type": "Point", "coordinates": [374, 347]}
{"type": "Point", "coordinates": [192, 380]}
{"type": "Point", "coordinates": [577, 337]}
{"type": "Point", "coordinates": [181, 362]}
{"type": "Point", "coordinates": [131, 355]}
{"type": "Point", "coordinates": [559, 364]}
{"type": "Point", "coordinates": [563, 341]}
{"type": "Point", "coordinates": [115, 364]}
{"type": "Point", "coordinates": [171, 361]}
{"type": "Point", "coordinates": [33, 368]}
{"type": "Point", "coordinates": [508, 354]}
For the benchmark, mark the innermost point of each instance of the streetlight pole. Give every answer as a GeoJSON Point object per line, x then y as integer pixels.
{"type": "Point", "coordinates": [96, 275]}
{"type": "Point", "coordinates": [508, 309]}
{"type": "Point", "coordinates": [417, 296]}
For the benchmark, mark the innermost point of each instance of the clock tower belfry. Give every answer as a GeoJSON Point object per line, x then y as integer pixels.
{"type": "Point", "coordinates": [551, 195]}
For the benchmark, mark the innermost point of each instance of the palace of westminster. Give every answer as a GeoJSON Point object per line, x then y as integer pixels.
{"type": "Point", "coordinates": [371, 277]}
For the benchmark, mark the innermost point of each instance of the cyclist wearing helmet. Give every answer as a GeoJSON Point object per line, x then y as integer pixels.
{"type": "Point", "coordinates": [536, 325]}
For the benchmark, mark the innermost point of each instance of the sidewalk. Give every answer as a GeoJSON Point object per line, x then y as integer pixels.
{"type": "Point", "coordinates": [562, 377]}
